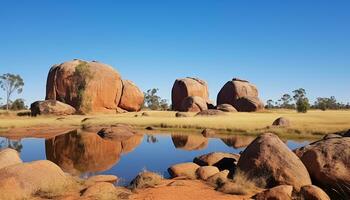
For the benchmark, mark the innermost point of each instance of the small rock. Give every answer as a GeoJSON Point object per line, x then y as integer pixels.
{"type": "Point", "coordinates": [184, 169]}
{"type": "Point", "coordinates": [149, 128]}
{"type": "Point", "coordinates": [206, 171]}
{"type": "Point", "coordinates": [145, 114]}
{"type": "Point", "coordinates": [311, 192]}
{"type": "Point", "coordinates": [226, 108]}
{"type": "Point", "coordinates": [218, 178]}
{"type": "Point", "coordinates": [103, 178]}
{"type": "Point", "coordinates": [210, 112]}
{"type": "Point", "coordinates": [214, 157]}
{"type": "Point", "coordinates": [281, 122]}
{"type": "Point", "coordinates": [101, 191]}
{"type": "Point", "coordinates": [282, 192]}
{"type": "Point", "coordinates": [181, 114]}
{"type": "Point", "coordinates": [146, 180]}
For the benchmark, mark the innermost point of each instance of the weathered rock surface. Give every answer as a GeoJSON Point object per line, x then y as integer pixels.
{"type": "Point", "coordinates": [193, 104]}
{"type": "Point", "coordinates": [240, 94]}
{"type": "Point", "coordinates": [210, 112]}
{"type": "Point", "coordinates": [51, 107]}
{"type": "Point", "coordinates": [281, 122]}
{"type": "Point", "coordinates": [35, 177]}
{"type": "Point", "coordinates": [184, 169]}
{"type": "Point", "coordinates": [226, 108]}
{"type": "Point", "coordinates": [132, 97]}
{"type": "Point", "coordinates": [87, 86]}
{"type": "Point", "coordinates": [211, 159]}
{"type": "Point", "coordinates": [9, 157]}
{"type": "Point", "coordinates": [102, 178]}
{"type": "Point", "coordinates": [206, 171]}
{"type": "Point", "coordinates": [146, 180]}
{"type": "Point", "coordinates": [311, 192]}
{"type": "Point", "coordinates": [186, 87]}
{"type": "Point", "coordinates": [282, 192]}
{"type": "Point", "coordinates": [328, 162]}
{"type": "Point", "coordinates": [269, 159]}
{"type": "Point", "coordinates": [104, 191]}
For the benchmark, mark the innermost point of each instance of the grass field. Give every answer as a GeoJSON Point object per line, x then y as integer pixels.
{"type": "Point", "coordinates": [312, 124]}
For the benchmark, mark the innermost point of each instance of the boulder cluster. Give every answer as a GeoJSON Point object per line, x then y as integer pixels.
{"type": "Point", "coordinates": [191, 95]}
{"type": "Point", "coordinates": [268, 169]}
{"type": "Point", "coordinates": [87, 87]}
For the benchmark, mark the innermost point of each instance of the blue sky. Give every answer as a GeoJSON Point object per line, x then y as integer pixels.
{"type": "Point", "coordinates": [278, 45]}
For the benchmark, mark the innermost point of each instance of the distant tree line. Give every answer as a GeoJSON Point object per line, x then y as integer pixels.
{"type": "Point", "coordinates": [301, 103]}
{"type": "Point", "coordinates": [11, 83]}
{"type": "Point", "coordinates": [153, 101]}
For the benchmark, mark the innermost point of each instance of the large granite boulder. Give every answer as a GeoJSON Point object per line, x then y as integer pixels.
{"type": "Point", "coordinates": [282, 192]}
{"type": "Point", "coordinates": [311, 192]}
{"type": "Point", "coordinates": [281, 122]}
{"type": "Point", "coordinates": [187, 170]}
{"type": "Point", "coordinates": [328, 163]}
{"type": "Point", "coordinates": [240, 94]}
{"type": "Point", "coordinates": [268, 158]}
{"type": "Point", "coordinates": [193, 104]}
{"type": "Point", "coordinates": [51, 107]}
{"type": "Point", "coordinates": [87, 86]}
{"type": "Point", "coordinates": [186, 87]}
{"type": "Point", "coordinates": [132, 97]}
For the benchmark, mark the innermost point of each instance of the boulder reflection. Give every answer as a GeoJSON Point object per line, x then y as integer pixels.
{"type": "Point", "coordinates": [189, 142]}
{"type": "Point", "coordinates": [238, 141]}
{"type": "Point", "coordinates": [85, 152]}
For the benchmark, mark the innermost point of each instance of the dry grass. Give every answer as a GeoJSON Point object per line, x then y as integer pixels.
{"type": "Point", "coordinates": [240, 185]}
{"type": "Point", "coordinates": [314, 123]}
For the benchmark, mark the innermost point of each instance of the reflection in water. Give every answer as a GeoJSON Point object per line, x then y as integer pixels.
{"type": "Point", "coordinates": [13, 144]}
{"type": "Point", "coordinates": [151, 139]}
{"type": "Point", "coordinates": [83, 152]}
{"type": "Point", "coordinates": [190, 142]}
{"type": "Point", "coordinates": [238, 141]}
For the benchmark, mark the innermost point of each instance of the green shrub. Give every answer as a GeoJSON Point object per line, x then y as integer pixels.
{"type": "Point", "coordinates": [83, 76]}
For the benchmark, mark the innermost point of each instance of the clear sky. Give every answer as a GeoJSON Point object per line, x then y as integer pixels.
{"type": "Point", "coordinates": [278, 45]}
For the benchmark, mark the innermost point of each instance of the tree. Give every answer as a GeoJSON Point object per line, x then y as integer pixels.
{"type": "Point", "coordinates": [18, 104]}
{"type": "Point", "coordinates": [286, 99]}
{"type": "Point", "coordinates": [269, 104]}
{"type": "Point", "coordinates": [11, 83]}
{"type": "Point", "coordinates": [153, 101]}
{"type": "Point", "coordinates": [302, 102]}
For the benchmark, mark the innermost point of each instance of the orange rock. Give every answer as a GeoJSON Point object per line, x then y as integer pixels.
{"type": "Point", "coordinates": [132, 97]}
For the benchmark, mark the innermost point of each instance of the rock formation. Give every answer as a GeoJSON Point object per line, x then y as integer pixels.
{"type": "Point", "coordinates": [269, 159]}
{"type": "Point", "coordinates": [193, 104]}
{"type": "Point", "coordinates": [187, 87]}
{"type": "Point", "coordinates": [240, 94]}
{"type": "Point", "coordinates": [51, 107]}
{"type": "Point", "coordinates": [91, 87]}
{"type": "Point", "coordinates": [132, 97]}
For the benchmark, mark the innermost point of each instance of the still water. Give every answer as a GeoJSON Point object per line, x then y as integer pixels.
{"type": "Point", "coordinates": [85, 154]}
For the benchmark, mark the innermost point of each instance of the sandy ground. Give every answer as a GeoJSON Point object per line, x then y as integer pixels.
{"type": "Point", "coordinates": [183, 190]}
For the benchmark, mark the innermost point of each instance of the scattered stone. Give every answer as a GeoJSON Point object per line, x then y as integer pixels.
{"type": "Point", "coordinates": [184, 169]}
{"type": "Point", "coordinates": [210, 113]}
{"type": "Point", "coordinates": [268, 158]}
{"type": "Point", "coordinates": [213, 158]}
{"type": "Point", "coordinates": [208, 132]}
{"type": "Point", "coordinates": [132, 97]}
{"type": "Point", "coordinates": [181, 114]}
{"type": "Point", "coordinates": [226, 108]}
{"type": "Point", "coordinates": [218, 178]}
{"type": "Point", "coordinates": [145, 114]}
{"type": "Point", "coordinates": [281, 122]}
{"type": "Point", "coordinates": [9, 157]}
{"type": "Point", "coordinates": [150, 128]}
{"type": "Point", "coordinates": [146, 180]}
{"type": "Point", "coordinates": [51, 107]}
{"type": "Point", "coordinates": [103, 178]}
{"type": "Point", "coordinates": [282, 192]}
{"type": "Point", "coordinates": [311, 192]}
{"type": "Point", "coordinates": [206, 171]}
{"type": "Point", "coordinates": [187, 87]}
{"type": "Point", "coordinates": [328, 162]}
{"type": "Point", "coordinates": [193, 104]}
